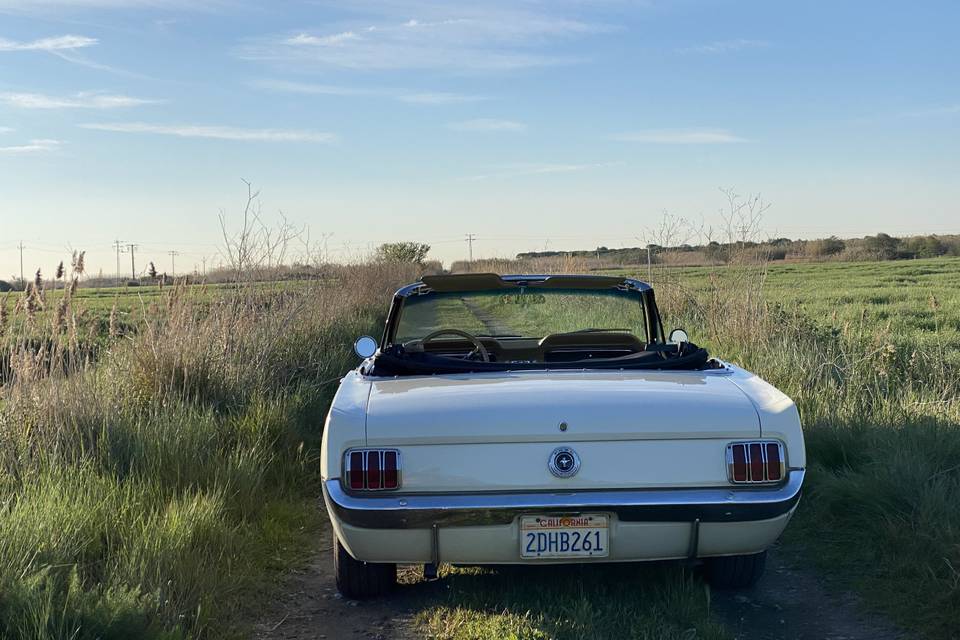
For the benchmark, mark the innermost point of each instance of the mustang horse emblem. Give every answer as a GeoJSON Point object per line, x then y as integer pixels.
{"type": "Point", "coordinates": [564, 462]}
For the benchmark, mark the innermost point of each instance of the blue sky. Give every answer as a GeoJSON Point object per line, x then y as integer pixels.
{"type": "Point", "coordinates": [531, 124]}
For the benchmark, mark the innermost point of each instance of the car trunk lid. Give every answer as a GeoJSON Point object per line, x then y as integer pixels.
{"type": "Point", "coordinates": [497, 431]}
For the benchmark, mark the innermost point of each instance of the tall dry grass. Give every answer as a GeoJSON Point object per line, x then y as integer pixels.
{"type": "Point", "coordinates": [145, 493]}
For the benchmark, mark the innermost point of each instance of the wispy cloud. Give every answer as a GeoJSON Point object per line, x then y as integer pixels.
{"type": "Point", "coordinates": [680, 136]}
{"type": "Point", "coordinates": [6, 129]}
{"type": "Point", "coordinates": [403, 95]}
{"type": "Point", "coordinates": [493, 35]}
{"type": "Point", "coordinates": [517, 170]}
{"type": "Point", "coordinates": [487, 124]}
{"type": "Point", "coordinates": [439, 98]}
{"type": "Point", "coordinates": [83, 100]}
{"type": "Point", "coordinates": [726, 46]}
{"type": "Point", "coordinates": [333, 40]}
{"type": "Point", "coordinates": [215, 132]}
{"type": "Point", "coordinates": [58, 43]}
{"type": "Point", "coordinates": [39, 145]}
{"type": "Point", "coordinates": [53, 6]}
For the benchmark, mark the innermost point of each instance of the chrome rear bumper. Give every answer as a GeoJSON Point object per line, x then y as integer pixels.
{"type": "Point", "coordinates": [416, 511]}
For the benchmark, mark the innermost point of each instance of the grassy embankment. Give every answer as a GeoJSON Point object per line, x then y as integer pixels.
{"type": "Point", "coordinates": [870, 353]}
{"type": "Point", "coordinates": [148, 494]}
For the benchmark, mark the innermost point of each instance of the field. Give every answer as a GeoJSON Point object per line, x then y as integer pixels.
{"type": "Point", "coordinates": [154, 490]}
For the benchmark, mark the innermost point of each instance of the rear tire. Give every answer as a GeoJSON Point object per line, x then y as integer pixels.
{"type": "Point", "coordinates": [361, 580]}
{"type": "Point", "coordinates": [735, 572]}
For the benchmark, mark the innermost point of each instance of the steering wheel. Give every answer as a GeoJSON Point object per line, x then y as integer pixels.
{"type": "Point", "coordinates": [482, 350]}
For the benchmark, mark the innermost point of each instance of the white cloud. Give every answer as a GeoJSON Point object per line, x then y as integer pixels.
{"type": "Point", "coordinates": [680, 136]}
{"type": "Point", "coordinates": [215, 132]}
{"type": "Point", "coordinates": [39, 145]}
{"type": "Point", "coordinates": [726, 46]}
{"type": "Point", "coordinates": [487, 124]}
{"type": "Point", "coordinates": [439, 98]}
{"type": "Point", "coordinates": [6, 129]}
{"type": "Point", "coordinates": [308, 88]}
{"type": "Point", "coordinates": [410, 97]}
{"type": "Point", "coordinates": [521, 169]}
{"type": "Point", "coordinates": [493, 35]}
{"type": "Point", "coordinates": [51, 6]}
{"type": "Point", "coordinates": [83, 100]}
{"type": "Point", "coordinates": [59, 43]}
{"type": "Point", "coordinates": [321, 41]}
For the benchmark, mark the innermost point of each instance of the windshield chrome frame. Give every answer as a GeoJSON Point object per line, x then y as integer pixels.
{"type": "Point", "coordinates": [652, 321]}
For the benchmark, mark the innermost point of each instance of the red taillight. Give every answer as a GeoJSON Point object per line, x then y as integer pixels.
{"type": "Point", "coordinates": [391, 470]}
{"type": "Point", "coordinates": [774, 462]}
{"type": "Point", "coordinates": [355, 470]}
{"type": "Point", "coordinates": [739, 467]}
{"type": "Point", "coordinates": [372, 469]}
{"type": "Point", "coordinates": [755, 462]}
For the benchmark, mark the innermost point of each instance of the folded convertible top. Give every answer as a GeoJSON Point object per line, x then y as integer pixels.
{"type": "Point", "coordinates": [395, 361]}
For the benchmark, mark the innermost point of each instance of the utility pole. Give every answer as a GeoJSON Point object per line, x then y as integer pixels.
{"type": "Point", "coordinates": [118, 245]}
{"type": "Point", "coordinates": [470, 239]}
{"type": "Point", "coordinates": [23, 283]}
{"type": "Point", "coordinates": [173, 266]}
{"type": "Point", "coordinates": [133, 264]}
{"type": "Point", "coordinates": [649, 267]}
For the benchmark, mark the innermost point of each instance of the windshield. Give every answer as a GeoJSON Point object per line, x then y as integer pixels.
{"type": "Point", "coordinates": [523, 313]}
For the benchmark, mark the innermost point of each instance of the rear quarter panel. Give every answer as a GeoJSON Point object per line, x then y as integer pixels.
{"type": "Point", "coordinates": [346, 423]}
{"type": "Point", "coordinates": [778, 414]}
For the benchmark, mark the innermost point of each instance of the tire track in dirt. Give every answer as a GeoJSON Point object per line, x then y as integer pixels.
{"type": "Point", "coordinates": [792, 603]}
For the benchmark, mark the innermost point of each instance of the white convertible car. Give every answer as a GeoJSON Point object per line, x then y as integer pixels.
{"type": "Point", "coordinates": [549, 419]}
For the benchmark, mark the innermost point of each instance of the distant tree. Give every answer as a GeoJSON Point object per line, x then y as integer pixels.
{"type": "Point", "coordinates": [882, 246]}
{"type": "Point", "coordinates": [152, 271]}
{"type": "Point", "coordinates": [825, 247]}
{"type": "Point", "coordinates": [716, 252]}
{"type": "Point", "coordinates": [925, 247]}
{"type": "Point", "coordinates": [412, 252]}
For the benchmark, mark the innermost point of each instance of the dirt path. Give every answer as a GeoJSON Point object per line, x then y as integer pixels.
{"type": "Point", "coordinates": [494, 325]}
{"type": "Point", "coordinates": [310, 607]}
{"type": "Point", "coordinates": [791, 603]}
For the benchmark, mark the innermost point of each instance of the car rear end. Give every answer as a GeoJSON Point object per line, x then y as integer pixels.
{"type": "Point", "coordinates": [555, 467]}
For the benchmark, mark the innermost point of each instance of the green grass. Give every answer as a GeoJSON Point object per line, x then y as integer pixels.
{"type": "Point", "coordinates": [568, 603]}
{"type": "Point", "coordinates": [153, 493]}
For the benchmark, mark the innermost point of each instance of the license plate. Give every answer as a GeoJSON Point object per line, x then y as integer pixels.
{"type": "Point", "coordinates": [583, 536]}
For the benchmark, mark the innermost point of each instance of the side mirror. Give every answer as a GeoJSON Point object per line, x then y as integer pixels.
{"type": "Point", "coordinates": [365, 346]}
{"type": "Point", "coordinates": [677, 336]}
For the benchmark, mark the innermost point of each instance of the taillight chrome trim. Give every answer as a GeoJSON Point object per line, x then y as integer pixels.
{"type": "Point", "coordinates": [746, 444]}
{"type": "Point", "coordinates": [364, 453]}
